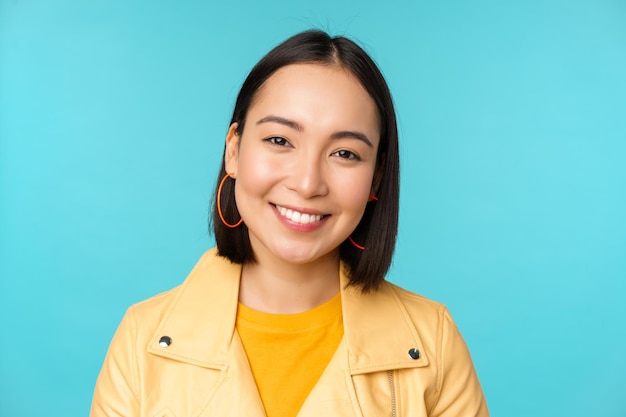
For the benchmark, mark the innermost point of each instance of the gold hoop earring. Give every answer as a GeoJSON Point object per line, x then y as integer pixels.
{"type": "Point", "coordinates": [219, 204]}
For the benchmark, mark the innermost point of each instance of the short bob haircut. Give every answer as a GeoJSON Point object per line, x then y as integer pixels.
{"type": "Point", "coordinates": [378, 228]}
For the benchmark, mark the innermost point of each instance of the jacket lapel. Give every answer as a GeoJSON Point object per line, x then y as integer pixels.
{"type": "Point", "coordinates": [237, 394]}
{"type": "Point", "coordinates": [378, 334]}
{"type": "Point", "coordinates": [333, 395]}
{"type": "Point", "coordinates": [201, 324]}
{"type": "Point", "coordinates": [378, 330]}
{"type": "Point", "coordinates": [201, 319]}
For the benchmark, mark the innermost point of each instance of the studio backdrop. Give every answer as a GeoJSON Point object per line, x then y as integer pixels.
{"type": "Point", "coordinates": [512, 119]}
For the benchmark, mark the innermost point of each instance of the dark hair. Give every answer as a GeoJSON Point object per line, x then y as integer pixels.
{"type": "Point", "coordinates": [378, 228]}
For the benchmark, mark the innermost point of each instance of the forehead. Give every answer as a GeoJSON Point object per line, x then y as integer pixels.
{"type": "Point", "coordinates": [319, 95]}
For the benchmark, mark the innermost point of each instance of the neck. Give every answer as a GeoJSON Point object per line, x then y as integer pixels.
{"type": "Point", "coordinates": [272, 286]}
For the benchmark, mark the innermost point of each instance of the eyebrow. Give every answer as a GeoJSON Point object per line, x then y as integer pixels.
{"type": "Point", "coordinates": [354, 135]}
{"type": "Point", "coordinates": [298, 127]}
{"type": "Point", "coordinates": [282, 121]}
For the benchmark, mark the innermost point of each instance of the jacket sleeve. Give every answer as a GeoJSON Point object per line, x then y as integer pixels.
{"type": "Point", "coordinates": [117, 388]}
{"type": "Point", "coordinates": [459, 393]}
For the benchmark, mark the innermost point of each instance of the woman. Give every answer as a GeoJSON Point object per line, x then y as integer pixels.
{"type": "Point", "coordinates": [290, 314]}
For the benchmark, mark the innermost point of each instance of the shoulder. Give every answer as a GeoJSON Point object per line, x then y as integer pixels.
{"type": "Point", "coordinates": [413, 302]}
{"type": "Point", "coordinates": [209, 291]}
{"type": "Point", "coordinates": [154, 307]}
{"type": "Point", "coordinates": [149, 312]}
{"type": "Point", "coordinates": [456, 389]}
{"type": "Point", "coordinates": [426, 315]}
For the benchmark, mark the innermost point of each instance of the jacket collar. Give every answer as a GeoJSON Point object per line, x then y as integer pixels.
{"type": "Point", "coordinates": [201, 321]}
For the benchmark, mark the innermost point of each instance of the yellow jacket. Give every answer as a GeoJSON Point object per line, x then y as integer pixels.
{"type": "Point", "coordinates": [203, 372]}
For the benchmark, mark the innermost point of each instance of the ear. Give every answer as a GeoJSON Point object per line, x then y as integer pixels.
{"type": "Point", "coordinates": [378, 175]}
{"type": "Point", "coordinates": [231, 153]}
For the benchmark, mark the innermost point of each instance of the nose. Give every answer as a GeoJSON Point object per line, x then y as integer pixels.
{"type": "Point", "coordinates": [308, 177]}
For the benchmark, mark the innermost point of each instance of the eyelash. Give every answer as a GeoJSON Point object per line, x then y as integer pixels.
{"type": "Point", "coordinates": [351, 155]}
{"type": "Point", "coordinates": [274, 139]}
{"type": "Point", "coordinates": [340, 153]}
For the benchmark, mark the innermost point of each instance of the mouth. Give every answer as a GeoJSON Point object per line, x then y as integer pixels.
{"type": "Point", "coordinates": [298, 217]}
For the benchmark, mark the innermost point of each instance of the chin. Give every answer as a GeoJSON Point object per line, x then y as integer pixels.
{"type": "Point", "coordinates": [302, 255]}
{"type": "Point", "coordinates": [299, 258]}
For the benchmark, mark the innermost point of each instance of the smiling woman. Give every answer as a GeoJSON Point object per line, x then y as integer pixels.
{"type": "Point", "coordinates": [290, 314]}
{"type": "Point", "coordinates": [306, 151]}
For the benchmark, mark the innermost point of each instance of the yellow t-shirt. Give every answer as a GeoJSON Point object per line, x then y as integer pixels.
{"type": "Point", "coordinates": [289, 352]}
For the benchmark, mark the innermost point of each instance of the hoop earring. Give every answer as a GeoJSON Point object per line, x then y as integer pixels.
{"type": "Point", "coordinates": [219, 204]}
{"type": "Point", "coordinates": [356, 245]}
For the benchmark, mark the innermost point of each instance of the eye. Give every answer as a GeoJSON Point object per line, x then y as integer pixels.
{"type": "Point", "coordinates": [345, 154]}
{"type": "Point", "coordinates": [278, 141]}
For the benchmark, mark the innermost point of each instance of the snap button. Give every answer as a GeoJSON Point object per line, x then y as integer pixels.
{"type": "Point", "coordinates": [414, 354]}
{"type": "Point", "coordinates": [165, 341]}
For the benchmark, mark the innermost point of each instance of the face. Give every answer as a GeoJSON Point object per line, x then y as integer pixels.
{"type": "Point", "coordinates": [305, 162]}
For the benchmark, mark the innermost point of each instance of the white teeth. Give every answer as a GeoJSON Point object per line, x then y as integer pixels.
{"type": "Point", "coordinates": [297, 217]}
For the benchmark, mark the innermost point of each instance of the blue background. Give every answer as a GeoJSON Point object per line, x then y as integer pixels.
{"type": "Point", "coordinates": [512, 118]}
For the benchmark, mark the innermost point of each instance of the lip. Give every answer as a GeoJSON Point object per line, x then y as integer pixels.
{"type": "Point", "coordinates": [308, 227]}
{"type": "Point", "coordinates": [302, 210]}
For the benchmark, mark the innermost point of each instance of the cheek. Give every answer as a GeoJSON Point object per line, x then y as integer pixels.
{"type": "Point", "coordinates": [354, 189]}
{"type": "Point", "coordinates": [253, 162]}
{"type": "Point", "coordinates": [255, 173]}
